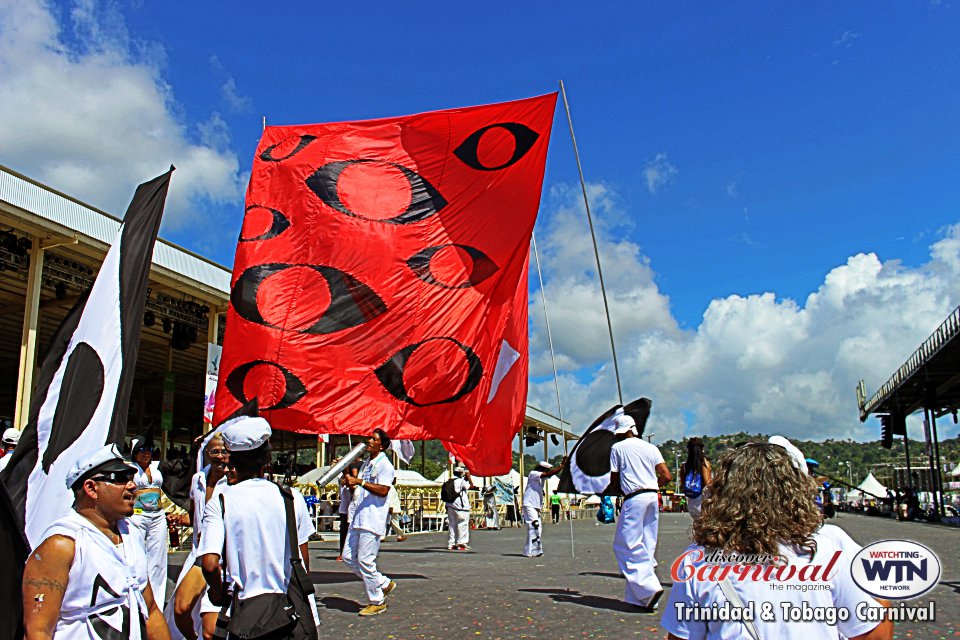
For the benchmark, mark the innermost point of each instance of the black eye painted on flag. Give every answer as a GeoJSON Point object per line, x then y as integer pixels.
{"type": "Point", "coordinates": [478, 265]}
{"type": "Point", "coordinates": [469, 150]}
{"type": "Point", "coordinates": [293, 391]}
{"type": "Point", "coordinates": [278, 223]}
{"type": "Point", "coordinates": [588, 460]}
{"type": "Point", "coordinates": [391, 373]}
{"type": "Point", "coordinates": [351, 302]}
{"type": "Point", "coordinates": [267, 154]}
{"type": "Point", "coordinates": [424, 201]}
{"type": "Point", "coordinates": [80, 394]}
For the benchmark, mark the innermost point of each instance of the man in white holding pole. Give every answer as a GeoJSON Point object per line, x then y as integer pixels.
{"type": "Point", "coordinates": [458, 511]}
{"type": "Point", "coordinates": [369, 522]}
{"type": "Point", "coordinates": [637, 469]}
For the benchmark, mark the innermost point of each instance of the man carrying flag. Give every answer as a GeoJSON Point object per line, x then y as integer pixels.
{"type": "Point", "coordinates": [88, 576]}
{"type": "Point", "coordinates": [82, 395]}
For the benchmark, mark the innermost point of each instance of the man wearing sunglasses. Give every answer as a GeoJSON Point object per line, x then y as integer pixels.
{"type": "Point", "coordinates": [87, 579]}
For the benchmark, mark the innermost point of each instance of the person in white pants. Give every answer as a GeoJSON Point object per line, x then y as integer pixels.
{"type": "Point", "coordinates": [369, 522]}
{"type": "Point", "coordinates": [458, 512]}
{"type": "Point", "coordinates": [638, 470]}
{"type": "Point", "coordinates": [533, 507]}
{"type": "Point", "coordinates": [148, 519]}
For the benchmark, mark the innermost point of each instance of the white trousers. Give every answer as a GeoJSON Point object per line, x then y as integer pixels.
{"type": "Point", "coordinates": [360, 554]}
{"type": "Point", "coordinates": [152, 529]}
{"type": "Point", "coordinates": [634, 545]}
{"type": "Point", "coordinates": [459, 524]}
{"type": "Point", "coordinates": [534, 546]}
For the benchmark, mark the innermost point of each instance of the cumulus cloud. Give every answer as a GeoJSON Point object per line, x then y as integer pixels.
{"type": "Point", "coordinates": [756, 362]}
{"type": "Point", "coordinates": [87, 111]}
{"type": "Point", "coordinates": [846, 39]}
{"type": "Point", "coordinates": [659, 172]}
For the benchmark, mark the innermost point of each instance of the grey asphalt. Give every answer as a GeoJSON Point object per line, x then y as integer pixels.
{"type": "Point", "coordinates": [493, 591]}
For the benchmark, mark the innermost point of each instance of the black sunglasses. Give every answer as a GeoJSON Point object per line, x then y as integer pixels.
{"type": "Point", "coordinates": [114, 477]}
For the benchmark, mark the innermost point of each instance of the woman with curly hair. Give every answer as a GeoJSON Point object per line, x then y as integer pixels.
{"type": "Point", "coordinates": [761, 539]}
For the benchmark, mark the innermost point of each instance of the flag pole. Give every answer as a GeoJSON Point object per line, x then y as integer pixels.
{"type": "Point", "coordinates": [553, 360]}
{"type": "Point", "coordinates": [596, 251]}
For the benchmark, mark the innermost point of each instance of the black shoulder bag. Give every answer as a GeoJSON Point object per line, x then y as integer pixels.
{"type": "Point", "coordinates": [278, 615]}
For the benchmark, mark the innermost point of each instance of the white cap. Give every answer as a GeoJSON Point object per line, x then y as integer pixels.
{"type": "Point", "coordinates": [245, 433]}
{"type": "Point", "coordinates": [11, 436]}
{"type": "Point", "coordinates": [106, 458]}
{"type": "Point", "coordinates": [799, 461]}
{"type": "Point", "coordinates": [543, 464]}
{"type": "Point", "coordinates": [623, 423]}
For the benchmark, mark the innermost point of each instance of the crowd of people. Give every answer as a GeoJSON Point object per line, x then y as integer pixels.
{"type": "Point", "coordinates": [100, 571]}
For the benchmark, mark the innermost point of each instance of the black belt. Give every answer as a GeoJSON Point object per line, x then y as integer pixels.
{"type": "Point", "coordinates": [638, 492]}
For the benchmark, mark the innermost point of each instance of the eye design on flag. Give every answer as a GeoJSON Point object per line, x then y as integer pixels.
{"type": "Point", "coordinates": [435, 265]}
{"type": "Point", "coordinates": [351, 302]}
{"type": "Point", "coordinates": [80, 394]}
{"type": "Point", "coordinates": [491, 154]}
{"type": "Point", "coordinates": [267, 154]}
{"type": "Point", "coordinates": [422, 201]}
{"type": "Point", "coordinates": [278, 223]}
{"type": "Point", "coordinates": [588, 461]}
{"type": "Point", "coordinates": [391, 373]}
{"type": "Point", "coordinates": [294, 388]}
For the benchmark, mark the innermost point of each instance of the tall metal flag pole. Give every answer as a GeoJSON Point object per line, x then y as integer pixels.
{"type": "Point", "coordinates": [596, 251]}
{"type": "Point", "coordinates": [553, 360]}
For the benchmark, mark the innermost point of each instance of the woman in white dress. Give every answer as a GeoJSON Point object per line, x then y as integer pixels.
{"type": "Point", "coordinates": [149, 520]}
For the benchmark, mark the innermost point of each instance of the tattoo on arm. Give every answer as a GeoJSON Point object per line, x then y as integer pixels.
{"type": "Point", "coordinates": [44, 583]}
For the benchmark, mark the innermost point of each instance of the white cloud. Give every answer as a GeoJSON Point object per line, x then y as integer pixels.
{"type": "Point", "coordinates": [87, 111]}
{"type": "Point", "coordinates": [847, 39]}
{"type": "Point", "coordinates": [659, 172]}
{"type": "Point", "coordinates": [756, 362]}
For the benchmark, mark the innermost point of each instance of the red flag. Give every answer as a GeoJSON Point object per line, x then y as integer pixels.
{"type": "Point", "coordinates": [491, 454]}
{"type": "Point", "coordinates": [378, 267]}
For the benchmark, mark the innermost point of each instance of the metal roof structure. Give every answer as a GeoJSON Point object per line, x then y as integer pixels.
{"type": "Point", "coordinates": [930, 377]}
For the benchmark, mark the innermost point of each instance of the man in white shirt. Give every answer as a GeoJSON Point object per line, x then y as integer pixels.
{"type": "Point", "coordinates": [369, 522]}
{"type": "Point", "coordinates": [458, 512]}
{"type": "Point", "coordinates": [87, 579]}
{"type": "Point", "coordinates": [637, 469]}
{"type": "Point", "coordinates": [395, 508]}
{"type": "Point", "coordinates": [248, 518]}
{"type": "Point", "coordinates": [533, 507]}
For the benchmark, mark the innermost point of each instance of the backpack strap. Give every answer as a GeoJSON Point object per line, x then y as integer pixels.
{"type": "Point", "coordinates": [734, 598]}
{"type": "Point", "coordinates": [299, 572]}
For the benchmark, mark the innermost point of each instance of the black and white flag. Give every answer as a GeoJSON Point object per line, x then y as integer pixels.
{"type": "Point", "coordinates": [82, 394]}
{"type": "Point", "coordinates": [587, 470]}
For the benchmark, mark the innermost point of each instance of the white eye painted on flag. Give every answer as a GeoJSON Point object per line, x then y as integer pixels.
{"type": "Point", "coordinates": [376, 190]}
{"type": "Point", "coordinates": [496, 146]}
{"type": "Point", "coordinates": [452, 266]}
{"type": "Point", "coordinates": [286, 148]}
{"type": "Point", "coordinates": [434, 371]}
{"type": "Point", "coordinates": [247, 380]}
{"type": "Point", "coordinates": [508, 357]}
{"type": "Point", "coordinates": [330, 300]}
{"type": "Point", "coordinates": [262, 223]}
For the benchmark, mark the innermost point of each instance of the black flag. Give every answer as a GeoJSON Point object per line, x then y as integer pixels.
{"type": "Point", "coordinates": [82, 395]}
{"type": "Point", "coordinates": [588, 468]}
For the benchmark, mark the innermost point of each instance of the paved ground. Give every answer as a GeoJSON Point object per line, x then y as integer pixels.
{"type": "Point", "coordinates": [494, 592]}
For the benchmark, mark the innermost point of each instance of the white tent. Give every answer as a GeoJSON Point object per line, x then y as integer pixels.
{"type": "Point", "coordinates": [869, 489]}
{"type": "Point", "coordinates": [956, 471]}
{"type": "Point", "coordinates": [410, 478]}
{"type": "Point", "coordinates": [311, 477]}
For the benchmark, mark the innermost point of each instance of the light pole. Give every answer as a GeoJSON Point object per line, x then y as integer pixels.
{"type": "Point", "coordinates": [676, 477]}
{"type": "Point", "coordinates": [849, 474]}
{"type": "Point", "coordinates": [650, 437]}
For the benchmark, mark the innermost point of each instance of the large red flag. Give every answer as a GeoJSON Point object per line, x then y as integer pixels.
{"type": "Point", "coordinates": [378, 268]}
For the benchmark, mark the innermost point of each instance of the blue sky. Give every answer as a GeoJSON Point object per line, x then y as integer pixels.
{"type": "Point", "coordinates": [741, 159]}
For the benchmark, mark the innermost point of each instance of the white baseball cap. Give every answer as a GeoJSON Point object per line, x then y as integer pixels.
{"type": "Point", "coordinates": [623, 423]}
{"type": "Point", "coordinates": [103, 460]}
{"type": "Point", "coordinates": [245, 433]}
{"type": "Point", "coordinates": [11, 436]}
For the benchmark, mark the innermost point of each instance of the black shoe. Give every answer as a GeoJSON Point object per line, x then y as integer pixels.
{"type": "Point", "coordinates": [651, 605]}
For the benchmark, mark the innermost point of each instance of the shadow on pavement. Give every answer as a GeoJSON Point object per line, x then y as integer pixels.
{"type": "Point", "coordinates": [594, 602]}
{"type": "Point", "coordinates": [601, 574]}
{"type": "Point", "coordinates": [340, 604]}
{"type": "Point", "coordinates": [426, 550]}
{"type": "Point", "coordinates": [336, 577]}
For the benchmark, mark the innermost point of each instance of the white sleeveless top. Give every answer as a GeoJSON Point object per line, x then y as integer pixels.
{"type": "Point", "coordinates": [198, 494]}
{"type": "Point", "coordinates": [104, 595]}
{"type": "Point", "coordinates": [150, 503]}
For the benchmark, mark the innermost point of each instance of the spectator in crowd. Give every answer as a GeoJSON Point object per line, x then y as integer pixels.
{"type": "Point", "coordinates": [458, 511]}
{"type": "Point", "coordinates": [694, 476]}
